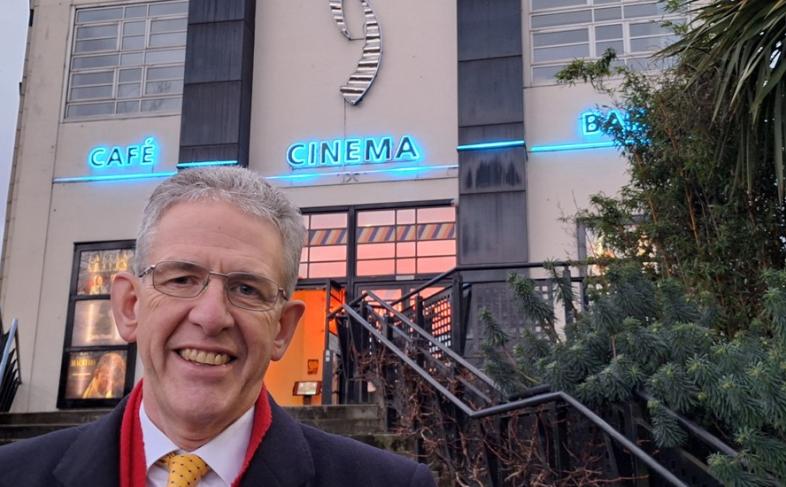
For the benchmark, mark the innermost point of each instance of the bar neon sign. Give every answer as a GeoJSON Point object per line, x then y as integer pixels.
{"type": "Point", "coordinates": [354, 151]}
{"type": "Point", "coordinates": [592, 121]}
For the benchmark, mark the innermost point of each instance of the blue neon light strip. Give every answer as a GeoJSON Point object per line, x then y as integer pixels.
{"type": "Point", "coordinates": [115, 177]}
{"type": "Point", "coordinates": [373, 171]}
{"type": "Point", "coordinates": [491, 145]}
{"type": "Point", "coordinates": [565, 147]}
{"type": "Point", "coordinates": [206, 163]}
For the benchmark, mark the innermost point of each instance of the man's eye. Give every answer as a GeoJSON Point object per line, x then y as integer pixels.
{"type": "Point", "coordinates": [182, 281]}
{"type": "Point", "coordinates": [246, 290]}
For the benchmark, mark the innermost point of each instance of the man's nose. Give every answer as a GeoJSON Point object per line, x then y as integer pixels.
{"type": "Point", "coordinates": [211, 308]}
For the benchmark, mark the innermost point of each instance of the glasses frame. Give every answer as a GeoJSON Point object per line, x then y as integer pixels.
{"type": "Point", "coordinates": [149, 270]}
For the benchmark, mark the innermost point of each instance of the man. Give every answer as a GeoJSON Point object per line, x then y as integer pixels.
{"type": "Point", "coordinates": [208, 305]}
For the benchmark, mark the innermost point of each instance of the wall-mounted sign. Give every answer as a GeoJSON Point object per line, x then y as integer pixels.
{"type": "Point", "coordinates": [343, 152]}
{"type": "Point", "coordinates": [592, 121]}
{"type": "Point", "coordinates": [360, 81]}
{"type": "Point", "coordinates": [134, 155]}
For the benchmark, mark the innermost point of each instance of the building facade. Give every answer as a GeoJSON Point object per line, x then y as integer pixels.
{"type": "Point", "coordinates": [416, 136]}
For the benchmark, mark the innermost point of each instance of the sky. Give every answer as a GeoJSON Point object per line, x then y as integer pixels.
{"type": "Point", "coordinates": [13, 35]}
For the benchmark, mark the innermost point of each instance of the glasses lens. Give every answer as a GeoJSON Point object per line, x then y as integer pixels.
{"type": "Point", "coordinates": [251, 291]}
{"type": "Point", "coordinates": [180, 279]}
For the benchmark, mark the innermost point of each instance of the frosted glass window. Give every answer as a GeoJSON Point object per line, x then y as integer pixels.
{"type": "Point", "coordinates": [562, 37]}
{"type": "Point", "coordinates": [563, 30]}
{"type": "Point", "coordinates": [547, 4]}
{"type": "Point", "coordinates": [561, 19]}
{"type": "Point", "coordinates": [148, 37]}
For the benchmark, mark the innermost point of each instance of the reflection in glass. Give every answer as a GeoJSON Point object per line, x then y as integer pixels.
{"type": "Point", "coordinates": [94, 324]}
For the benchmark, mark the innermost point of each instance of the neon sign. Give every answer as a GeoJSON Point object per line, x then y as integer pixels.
{"type": "Point", "coordinates": [135, 155]}
{"type": "Point", "coordinates": [592, 121]}
{"type": "Point", "coordinates": [344, 152]}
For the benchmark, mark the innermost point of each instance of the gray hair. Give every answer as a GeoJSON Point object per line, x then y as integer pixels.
{"type": "Point", "coordinates": [239, 187]}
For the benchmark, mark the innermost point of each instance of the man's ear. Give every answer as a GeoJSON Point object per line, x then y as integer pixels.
{"type": "Point", "coordinates": [290, 316]}
{"type": "Point", "coordinates": [125, 297]}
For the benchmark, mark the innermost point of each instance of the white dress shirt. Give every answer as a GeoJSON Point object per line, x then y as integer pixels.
{"type": "Point", "coordinates": [224, 454]}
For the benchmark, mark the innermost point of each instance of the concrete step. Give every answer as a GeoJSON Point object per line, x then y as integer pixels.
{"type": "Point", "coordinates": [363, 422]}
{"type": "Point", "coordinates": [15, 432]}
{"type": "Point", "coordinates": [71, 417]}
{"type": "Point", "coordinates": [341, 419]}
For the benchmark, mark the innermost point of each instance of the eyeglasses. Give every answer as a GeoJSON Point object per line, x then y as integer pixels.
{"type": "Point", "coordinates": [188, 280]}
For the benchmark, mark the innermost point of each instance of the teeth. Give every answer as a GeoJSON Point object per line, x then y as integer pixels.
{"type": "Point", "coordinates": [202, 357]}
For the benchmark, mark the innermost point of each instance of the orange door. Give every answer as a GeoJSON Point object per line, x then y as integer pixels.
{"type": "Point", "coordinates": [303, 360]}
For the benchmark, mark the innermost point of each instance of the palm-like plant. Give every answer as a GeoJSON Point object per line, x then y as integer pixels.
{"type": "Point", "coordinates": [742, 43]}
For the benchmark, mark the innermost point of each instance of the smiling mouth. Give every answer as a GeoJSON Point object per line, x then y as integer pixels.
{"type": "Point", "coordinates": [204, 358]}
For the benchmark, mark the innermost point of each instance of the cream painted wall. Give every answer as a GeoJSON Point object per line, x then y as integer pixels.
{"type": "Point", "coordinates": [301, 61]}
{"type": "Point", "coordinates": [561, 183]}
{"type": "Point", "coordinates": [23, 255]}
{"type": "Point", "coordinates": [81, 212]}
{"type": "Point", "coordinates": [46, 218]}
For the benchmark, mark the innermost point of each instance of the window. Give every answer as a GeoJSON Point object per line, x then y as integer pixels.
{"type": "Point", "coordinates": [325, 251]}
{"type": "Point", "coordinates": [98, 365]}
{"type": "Point", "coordinates": [563, 30]}
{"type": "Point", "coordinates": [401, 242]}
{"type": "Point", "coordinates": [406, 241]}
{"type": "Point", "coordinates": [127, 60]}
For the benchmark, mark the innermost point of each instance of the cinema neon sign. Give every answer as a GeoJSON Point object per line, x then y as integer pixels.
{"type": "Point", "coordinates": [353, 151]}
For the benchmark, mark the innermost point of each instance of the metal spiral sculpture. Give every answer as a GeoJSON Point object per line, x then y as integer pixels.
{"type": "Point", "coordinates": [360, 81]}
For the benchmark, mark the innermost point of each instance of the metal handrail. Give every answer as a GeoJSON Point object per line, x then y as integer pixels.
{"type": "Point", "coordinates": [515, 405]}
{"type": "Point", "coordinates": [442, 366]}
{"type": "Point", "coordinates": [441, 346]}
{"type": "Point", "coordinates": [702, 434]}
{"type": "Point", "coordinates": [487, 267]}
{"type": "Point", "coordinates": [11, 338]}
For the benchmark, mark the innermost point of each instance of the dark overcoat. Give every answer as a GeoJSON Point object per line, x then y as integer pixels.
{"type": "Point", "coordinates": [291, 455]}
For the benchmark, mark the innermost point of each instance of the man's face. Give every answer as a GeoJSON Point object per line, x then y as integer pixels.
{"type": "Point", "coordinates": [172, 332]}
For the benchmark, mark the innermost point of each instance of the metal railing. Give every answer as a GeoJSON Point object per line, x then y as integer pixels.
{"type": "Point", "coordinates": [10, 372]}
{"type": "Point", "coordinates": [388, 346]}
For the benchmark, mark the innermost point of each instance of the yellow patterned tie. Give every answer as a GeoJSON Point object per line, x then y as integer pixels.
{"type": "Point", "coordinates": [184, 470]}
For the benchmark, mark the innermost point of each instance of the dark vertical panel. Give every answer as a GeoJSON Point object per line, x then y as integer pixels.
{"type": "Point", "coordinates": [490, 91]}
{"type": "Point", "coordinates": [491, 108]}
{"type": "Point", "coordinates": [492, 216]}
{"type": "Point", "coordinates": [216, 112]}
{"type": "Point", "coordinates": [489, 29]}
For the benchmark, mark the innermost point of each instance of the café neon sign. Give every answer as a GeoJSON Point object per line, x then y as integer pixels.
{"type": "Point", "coordinates": [354, 151]}
{"type": "Point", "coordinates": [130, 156]}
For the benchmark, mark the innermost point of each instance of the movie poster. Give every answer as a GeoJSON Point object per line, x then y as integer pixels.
{"type": "Point", "coordinates": [97, 268]}
{"type": "Point", "coordinates": [96, 375]}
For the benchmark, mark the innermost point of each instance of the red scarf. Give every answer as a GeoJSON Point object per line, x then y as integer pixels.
{"type": "Point", "coordinates": [132, 452]}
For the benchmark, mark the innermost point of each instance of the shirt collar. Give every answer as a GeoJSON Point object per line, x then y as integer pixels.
{"type": "Point", "coordinates": [224, 453]}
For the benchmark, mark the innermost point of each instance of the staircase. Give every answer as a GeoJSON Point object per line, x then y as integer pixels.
{"type": "Point", "coordinates": [363, 422]}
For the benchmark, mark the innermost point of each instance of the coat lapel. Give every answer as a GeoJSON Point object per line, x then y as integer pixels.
{"type": "Point", "coordinates": [282, 460]}
{"type": "Point", "coordinates": [284, 457]}
{"type": "Point", "coordinates": [92, 459]}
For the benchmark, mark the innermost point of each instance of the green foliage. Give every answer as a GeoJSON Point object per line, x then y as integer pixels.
{"type": "Point", "coordinates": [740, 46]}
{"type": "Point", "coordinates": [513, 376]}
{"type": "Point", "coordinates": [666, 427]}
{"type": "Point", "coordinates": [682, 212]}
{"type": "Point", "coordinates": [700, 322]}
{"type": "Point", "coordinates": [644, 334]}
{"type": "Point", "coordinates": [731, 472]}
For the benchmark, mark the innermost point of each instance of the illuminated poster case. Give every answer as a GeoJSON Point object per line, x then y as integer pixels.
{"type": "Point", "coordinates": [98, 365]}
